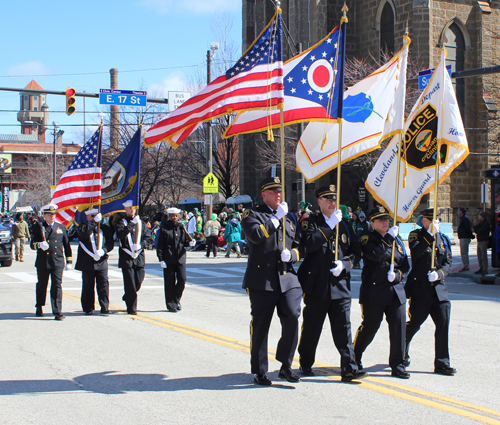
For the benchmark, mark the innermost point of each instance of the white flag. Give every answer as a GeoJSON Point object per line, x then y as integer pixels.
{"type": "Point", "coordinates": [372, 112]}
{"type": "Point", "coordinates": [434, 117]}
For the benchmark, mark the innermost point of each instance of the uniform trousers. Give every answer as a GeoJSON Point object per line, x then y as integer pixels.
{"type": "Point", "coordinates": [395, 315]}
{"type": "Point", "coordinates": [55, 289]}
{"type": "Point", "coordinates": [98, 279]}
{"type": "Point", "coordinates": [174, 281]}
{"type": "Point", "coordinates": [132, 281]}
{"type": "Point", "coordinates": [440, 313]}
{"type": "Point", "coordinates": [339, 314]}
{"type": "Point", "coordinates": [262, 305]}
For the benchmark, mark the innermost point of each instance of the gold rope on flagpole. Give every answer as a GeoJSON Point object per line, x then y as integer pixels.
{"type": "Point", "coordinates": [270, 133]}
{"type": "Point", "coordinates": [438, 161]}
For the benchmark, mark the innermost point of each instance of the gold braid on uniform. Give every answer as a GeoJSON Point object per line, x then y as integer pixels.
{"type": "Point", "coordinates": [264, 231]}
{"type": "Point", "coordinates": [297, 252]}
{"type": "Point", "coordinates": [322, 233]}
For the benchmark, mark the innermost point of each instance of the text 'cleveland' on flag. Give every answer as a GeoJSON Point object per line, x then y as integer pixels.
{"type": "Point", "coordinates": [255, 82]}
{"type": "Point", "coordinates": [312, 83]}
{"type": "Point", "coordinates": [435, 118]}
{"type": "Point", "coordinates": [80, 185]}
{"type": "Point", "coordinates": [372, 111]}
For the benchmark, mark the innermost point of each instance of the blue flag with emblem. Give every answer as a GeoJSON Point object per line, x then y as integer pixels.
{"type": "Point", "coordinates": [122, 180]}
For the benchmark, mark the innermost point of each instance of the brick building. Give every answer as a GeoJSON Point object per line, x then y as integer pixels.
{"type": "Point", "coordinates": [469, 29]}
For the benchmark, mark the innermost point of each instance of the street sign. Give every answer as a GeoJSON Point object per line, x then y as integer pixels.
{"type": "Point", "coordinates": [122, 97]}
{"type": "Point", "coordinates": [176, 99]}
{"type": "Point", "coordinates": [210, 184]}
{"type": "Point", "coordinates": [361, 194]}
{"type": "Point", "coordinates": [208, 200]}
{"type": "Point", "coordinates": [425, 76]}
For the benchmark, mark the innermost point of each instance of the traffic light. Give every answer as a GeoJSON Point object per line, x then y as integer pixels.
{"type": "Point", "coordinates": [70, 101]}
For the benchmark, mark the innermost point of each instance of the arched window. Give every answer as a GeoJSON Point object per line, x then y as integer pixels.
{"type": "Point", "coordinates": [387, 29]}
{"type": "Point", "coordinates": [455, 46]}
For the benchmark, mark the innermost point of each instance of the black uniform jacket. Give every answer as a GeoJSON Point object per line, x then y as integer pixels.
{"type": "Point", "coordinates": [377, 254]}
{"type": "Point", "coordinates": [265, 243]}
{"type": "Point", "coordinates": [172, 243]}
{"type": "Point", "coordinates": [59, 247]}
{"type": "Point", "coordinates": [84, 261]}
{"type": "Point", "coordinates": [319, 242]}
{"type": "Point", "coordinates": [125, 261]}
{"type": "Point", "coordinates": [417, 284]}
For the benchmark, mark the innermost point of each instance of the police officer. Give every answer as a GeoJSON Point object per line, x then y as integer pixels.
{"type": "Point", "coordinates": [50, 240]}
{"type": "Point", "coordinates": [271, 281]}
{"type": "Point", "coordinates": [326, 283]}
{"type": "Point", "coordinates": [382, 290]}
{"type": "Point", "coordinates": [92, 261]}
{"type": "Point", "coordinates": [427, 291]}
{"type": "Point", "coordinates": [171, 250]}
{"type": "Point", "coordinates": [133, 236]}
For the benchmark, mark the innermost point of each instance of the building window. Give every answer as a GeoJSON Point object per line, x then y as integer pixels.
{"type": "Point", "coordinates": [387, 30]}
{"type": "Point", "coordinates": [35, 98]}
{"type": "Point", "coordinates": [25, 97]}
{"type": "Point", "coordinates": [455, 46]}
{"type": "Point", "coordinates": [35, 108]}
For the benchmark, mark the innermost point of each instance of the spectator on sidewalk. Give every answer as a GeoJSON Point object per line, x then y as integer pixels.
{"type": "Point", "coordinates": [211, 234]}
{"type": "Point", "coordinates": [20, 234]}
{"type": "Point", "coordinates": [482, 229]}
{"type": "Point", "coordinates": [465, 235]}
{"type": "Point", "coordinates": [232, 235]}
{"type": "Point", "coordinates": [496, 241]}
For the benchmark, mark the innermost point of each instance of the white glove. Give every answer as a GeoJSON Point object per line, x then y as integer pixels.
{"type": "Point", "coordinates": [163, 264]}
{"type": "Point", "coordinates": [136, 247]}
{"type": "Point", "coordinates": [135, 220]}
{"type": "Point", "coordinates": [286, 256]}
{"type": "Point", "coordinates": [393, 231]}
{"type": "Point", "coordinates": [43, 245]}
{"type": "Point", "coordinates": [100, 252]}
{"type": "Point", "coordinates": [390, 274]}
{"type": "Point", "coordinates": [339, 266]}
{"type": "Point", "coordinates": [282, 210]}
{"type": "Point", "coordinates": [98, 218]}
{"type": "Point", "coordinates": [436, 228]}
{"type": "Point", "coordinates": [334, 219]}
{"type": "Point", "coordinates": [96, 257]}
{"type": "Point", "coordinates": [433, 276]}
{"type": "Point", "coordinates": [69, 266]}
{"type": "Point", "coordinates": [192, 243]}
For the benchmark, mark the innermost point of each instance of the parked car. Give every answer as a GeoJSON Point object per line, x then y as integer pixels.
{"type": "Point", "coordinates": [5, 246]}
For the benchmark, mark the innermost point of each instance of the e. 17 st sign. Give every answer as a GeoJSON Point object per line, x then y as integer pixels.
{"type": "Point", "coordinates": [122, 97]}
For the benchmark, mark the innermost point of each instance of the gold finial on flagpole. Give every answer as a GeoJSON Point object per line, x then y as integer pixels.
{"type": "Point", "coordinates": [344, 10]}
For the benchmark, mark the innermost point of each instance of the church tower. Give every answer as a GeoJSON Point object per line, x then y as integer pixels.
{"type": "Point", "coordinates": [34, 112]}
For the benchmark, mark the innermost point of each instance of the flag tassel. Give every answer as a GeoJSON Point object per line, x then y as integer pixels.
{"type": "Point", "coordinates": [270, 135]}
{"type": "Point", "coordinates": [325, 139]}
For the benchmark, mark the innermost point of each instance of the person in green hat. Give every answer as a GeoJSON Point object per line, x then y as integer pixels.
{"type": "Point", "coordinates": [211, 234]}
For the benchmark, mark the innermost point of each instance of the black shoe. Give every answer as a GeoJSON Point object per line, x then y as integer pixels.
{"type": "Point", "coordinates": [39, 312]}
{"type": "Point", "coordinates": [360, 365]}
{"type": "Point", "coordinates": [348, 377]}
{"type": "Point", "coordinates": [286, 373]}
{"type": "Point", "coordinates": [400, 374]}
{"type": "Point", "coordinates": [306, 371]}
{"type": "Point", "coordinates": [89, 313]}
{"type": "Point", "coordinates": [464, 269]}
{"type": "Point", "coordinates": [480, 271]}
{"type": "Point", "coordinates": [406, 361]}
{"type": "Point", "coordinates": [179, 307]}
{"type": "Point", "coordinates": [172, 309]}
{"type": "Point", "coordinates": [261, 379]}
{"type": "Point", "coordinates": [133, 313]}
{"type": "Point", "coordinates": [106, 312]}
{"type": "Point", "coordinates": [60, 317]}
{"type": "Point", "coordinates": [445, 370]}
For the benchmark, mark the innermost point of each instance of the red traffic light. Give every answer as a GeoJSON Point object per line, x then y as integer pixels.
{"type": "Point", "coordinates": [70, 101]}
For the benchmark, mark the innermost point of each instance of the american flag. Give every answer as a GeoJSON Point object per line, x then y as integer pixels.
{"type": "Point", "coordinates": [312, 83]}
{"type": "Point", "coordinates": [80, 185]}
{"type": "Point", "coordinates": [256, 81]}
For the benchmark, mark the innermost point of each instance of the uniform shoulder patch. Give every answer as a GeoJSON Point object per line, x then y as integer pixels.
{"type": "Point", "coordinates": [305, 225]}
{"type": "Point", "coordinates": [413, 236]}
{"type": "Point", "coordinates": [364, 239]}
{"type": "Point", "coordinates": [246, 213]}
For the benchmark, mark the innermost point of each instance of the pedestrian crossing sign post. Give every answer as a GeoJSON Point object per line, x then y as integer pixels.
{"type": "Point", "coordinates": [210, 184]}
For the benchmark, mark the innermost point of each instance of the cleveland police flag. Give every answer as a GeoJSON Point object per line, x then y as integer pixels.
{"type": "Point", "coordinates": [435, 116]}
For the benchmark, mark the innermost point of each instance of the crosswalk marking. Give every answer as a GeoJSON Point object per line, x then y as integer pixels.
{"type": "Point", "coordinates": [73, 275]}
{"type": "Point", "coordinates": [25, 277]}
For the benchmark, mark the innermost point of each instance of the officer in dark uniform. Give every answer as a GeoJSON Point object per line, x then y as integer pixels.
{"type": "Point", "coordinates": [171, 250]}
{"type": "Point", "coordinates": [326, 283]}
{"type": "Point", "coordinates": [382, 290]}
{"type": "Point", "coordinates": [427, 291]}
{"type": "Point", "coordinates": [133, 235]}
{"type": "Point", "coordinates": [50, 240]}
{"type": "Point", "coordinates": [271, 281]}
{"type": "Point", "coordinates": [92, 261]}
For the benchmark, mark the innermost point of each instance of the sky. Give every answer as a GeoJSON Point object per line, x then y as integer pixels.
{"type": "Point", "coordinates": [156, 45]}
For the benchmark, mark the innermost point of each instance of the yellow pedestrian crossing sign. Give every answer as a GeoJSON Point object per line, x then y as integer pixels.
{"type": "Point", "coordinates": [210, 184]}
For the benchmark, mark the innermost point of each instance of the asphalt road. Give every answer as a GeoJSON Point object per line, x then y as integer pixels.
{"type": "Point", "coordinates": [193, 367]}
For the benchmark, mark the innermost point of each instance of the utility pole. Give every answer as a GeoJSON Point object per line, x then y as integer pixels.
{"type": "Point", "coordinates": [210, 54]}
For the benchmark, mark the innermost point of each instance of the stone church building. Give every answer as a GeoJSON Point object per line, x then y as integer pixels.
{"type": "Point", "coordinates": [470, 31]}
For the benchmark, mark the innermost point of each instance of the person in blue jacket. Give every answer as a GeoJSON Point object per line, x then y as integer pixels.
{"type": "Point", "coordinates": [232, 235]}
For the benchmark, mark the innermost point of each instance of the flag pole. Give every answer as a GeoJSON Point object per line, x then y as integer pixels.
{"type": "Point", "coordinates": [99, 153]}
{"type": "Point", "coordinates": [398, 170]}
{"type": "Point", "coordinates": [340, 120]}
{"type": "Point", "coordinates": [438, 161]}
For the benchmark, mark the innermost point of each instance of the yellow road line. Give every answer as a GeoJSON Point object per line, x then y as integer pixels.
{"type": "Point", "coordinates": [380, 385]}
